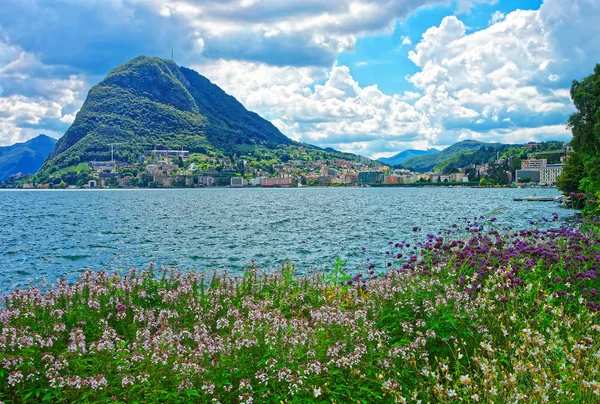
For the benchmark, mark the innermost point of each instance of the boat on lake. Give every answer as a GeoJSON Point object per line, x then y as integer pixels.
{"type": "Point", "coordinates": [534, 199]}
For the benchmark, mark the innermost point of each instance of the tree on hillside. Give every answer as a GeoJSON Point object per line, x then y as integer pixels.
{"type": "Point", "coordinates": [583, 166]}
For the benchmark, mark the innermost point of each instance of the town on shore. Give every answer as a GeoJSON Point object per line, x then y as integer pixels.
{"type": "Point", "coordinates": [163, 168]}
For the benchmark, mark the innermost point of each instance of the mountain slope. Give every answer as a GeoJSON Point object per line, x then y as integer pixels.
{"type": "Point", "coordinates": [428, 162]}
{"type": "Point", "coordinates": [26, 157]}
{"type": "Point", "coordinates": [150, 102]}
{"type": "Point", "coordinates": [405, 155]}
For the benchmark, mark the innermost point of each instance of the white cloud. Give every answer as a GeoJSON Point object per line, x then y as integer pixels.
{"type": "Point", "coordinates": [505, 82]}
{"type": "Point", "coordinates": [277, 32]}
{"type": "Point", "coordinates": [68, 118]}
{"type": "Point", "coordinates": [18, 114]}
{"type": "Point", "coordinates": [496, 84]}
{"type": "Point", "coordinates": [491, 77]}
{"type": "Point", "coordinates": [337, 113]}
{"type": "Point", "coordinates": [496, 17]}
{"type": "Point", "coordinates": [36, 98]}
{"type": "Point", "coordinates": [517, 135]}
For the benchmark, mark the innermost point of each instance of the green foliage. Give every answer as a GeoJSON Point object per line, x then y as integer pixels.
{"type": "Point", "coordinates": [582, 170]}
{"type": "Point", "coordinates": [338, 274]}
{"type": "Point", "coordinates": [573, 172]}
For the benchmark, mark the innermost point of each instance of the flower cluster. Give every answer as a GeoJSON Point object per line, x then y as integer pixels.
{"type": "Point", "coordinates": [475, 314]}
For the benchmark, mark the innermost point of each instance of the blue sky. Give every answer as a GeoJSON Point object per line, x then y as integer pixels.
{"type": "Point", "coordinates": [373, 77]}
{"type": "Point", "coordinates": [385, 53]}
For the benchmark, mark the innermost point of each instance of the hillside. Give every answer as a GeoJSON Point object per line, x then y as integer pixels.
{"type": "Point", "coordinates": [151, 102]}
{"type": "Point", "coordinates": [429, 162]}
{"type": "Point", "coordinates": [405, 155]}
{"type": "Point", "coordinates": [26, 157]}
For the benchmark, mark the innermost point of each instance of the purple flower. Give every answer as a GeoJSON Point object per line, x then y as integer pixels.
{"type": "Point", "coordinates": [557, 279]}
{"type": "Point", "coordinates": [121, 307]}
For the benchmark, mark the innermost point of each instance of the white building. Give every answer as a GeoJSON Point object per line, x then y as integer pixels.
{"type": "Point", "coordinates": [550, 173]}
{"type": "Point", "coordinates": [238, 182]}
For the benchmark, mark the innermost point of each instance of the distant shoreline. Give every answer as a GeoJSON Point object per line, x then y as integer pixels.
{"type": "Point", "coordinates": [302, 187]}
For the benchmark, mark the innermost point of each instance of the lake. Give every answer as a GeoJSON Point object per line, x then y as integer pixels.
{"type": "Point", "coordinates": [61, 233]}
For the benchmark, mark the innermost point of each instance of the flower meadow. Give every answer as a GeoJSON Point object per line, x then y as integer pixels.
{"type": "Point", "coordinates": [477, 313]}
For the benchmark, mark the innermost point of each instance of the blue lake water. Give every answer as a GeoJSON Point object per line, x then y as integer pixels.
{"type": "Point", "coordinates": [55, 234]}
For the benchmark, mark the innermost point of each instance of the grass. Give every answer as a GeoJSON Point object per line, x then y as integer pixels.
{"type": "Point", "coordinates": [473, 314]}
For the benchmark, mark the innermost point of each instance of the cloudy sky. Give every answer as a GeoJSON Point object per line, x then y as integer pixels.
{"type": "Point", "coordinates": [372, 77]}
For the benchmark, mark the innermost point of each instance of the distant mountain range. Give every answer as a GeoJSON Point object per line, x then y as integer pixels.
{"type": "Point", "coordinates": [431, 161]}
{"type": "Point", "coordinates": [458, 155]}
{"type": "Point", "coordinates": [25, 157]}
{"type": "Point", "coordinates": [469, 152]}
{"type": "Point", "coordinates": [150, 102]}
{"type": "Point", "coordinates": [405, 155]}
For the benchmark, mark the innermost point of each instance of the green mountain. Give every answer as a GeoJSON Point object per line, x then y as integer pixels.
{"type": "Point", "coordinates": [150, 102]}
{"type": "Point", "coordinates": [26, 157]}
{"type": "Point", "coordinates": [399, 158]}
{"type": "Point", "coordinates": [431, 161]}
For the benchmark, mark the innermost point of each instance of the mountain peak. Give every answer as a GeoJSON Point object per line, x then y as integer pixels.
{"type": "Point", "coordinates": [150, 102]}
{"type": "Point", "coordinates": [159, 79]}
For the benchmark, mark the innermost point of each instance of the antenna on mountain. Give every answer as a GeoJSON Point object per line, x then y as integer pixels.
{"type": "Point", "coordinates": [172, 54]}
{"type": "Point", "coordinates": [112, 152]}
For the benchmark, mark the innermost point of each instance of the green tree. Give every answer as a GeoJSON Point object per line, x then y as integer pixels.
{"type": "Point", "coordinates": [583, 168]}
{"type": "Point", "coordinates": [572, 174]}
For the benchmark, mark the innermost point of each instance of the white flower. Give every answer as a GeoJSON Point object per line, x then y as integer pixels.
{"type": "Point", "coordinates": [317, 392]}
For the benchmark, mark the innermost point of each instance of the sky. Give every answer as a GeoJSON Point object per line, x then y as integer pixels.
{"type": "Point", "coordinates": [372, 77]}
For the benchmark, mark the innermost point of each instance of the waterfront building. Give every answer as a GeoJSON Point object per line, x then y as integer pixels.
{"type": "Point", "coordinates": [370, 177]}
{"type": "Point", "coordinates": [532, 175]}
{"type": "Point", "coordinates": [390, 179]}
{"type": "Point", "coordinates": [278, 182]}
{"type": "Point", "coordinates": [550, 173]}
{"type": "Point", "coordinates": [255, 182]}
{"type": "Point", "coordinates": [238, 182]}
{"type": "Point", "coordinates": [456, 177]}
{"type": "Point", "coordinates": [205, 181]}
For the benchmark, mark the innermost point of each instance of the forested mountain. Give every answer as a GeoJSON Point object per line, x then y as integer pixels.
{"type": "Point", "coordinates": [150, 102]}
